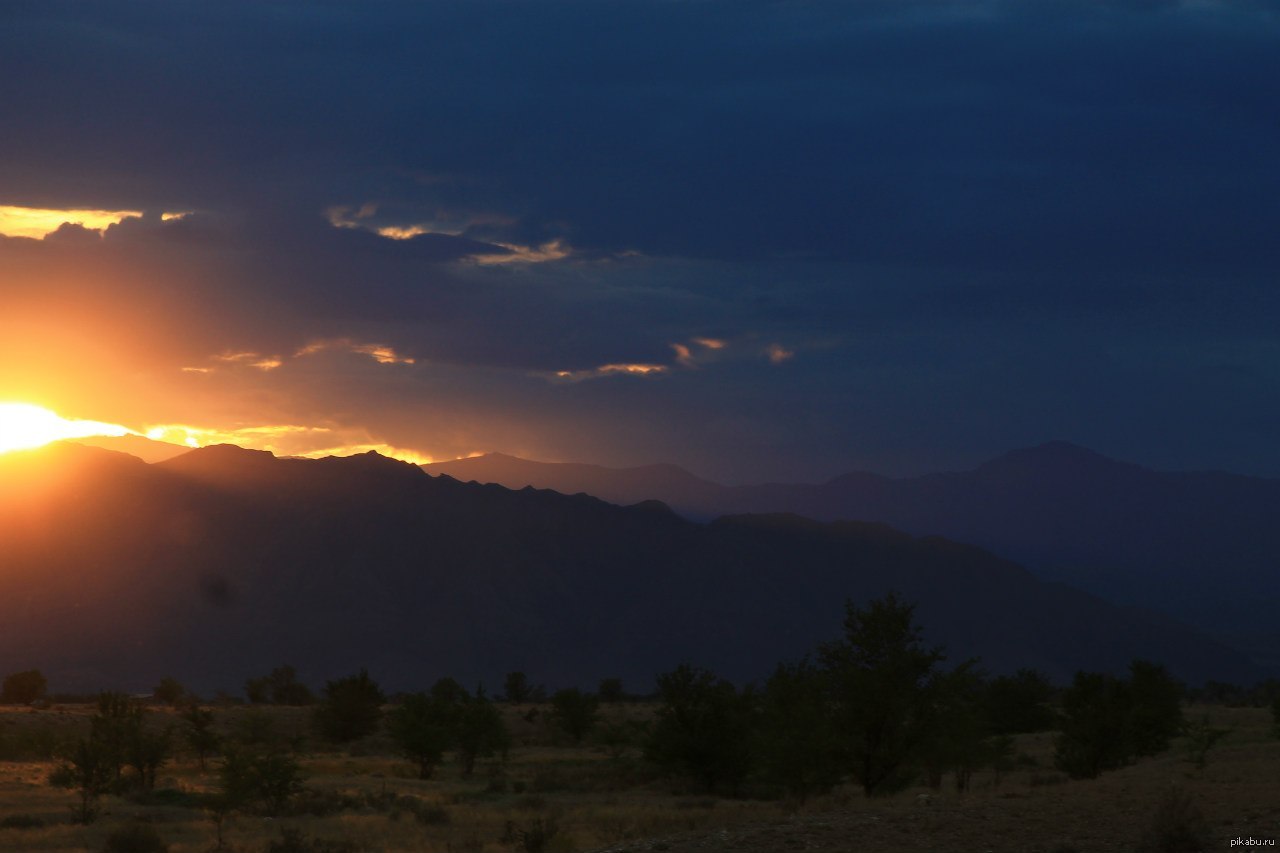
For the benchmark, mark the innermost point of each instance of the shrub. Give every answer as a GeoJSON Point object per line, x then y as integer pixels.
{"type": "Point", "coordinates": [135, 838]}
{"type": "Point", "coordinates": [423, 727]}
{"type": "Point", "coordinates": [23, 688]}
{"type": "Point", "coordinates": [516, 688]}
{"type": "Point", "coordinates": [351, 708]}
{"type": "Point", "coordinates": [1019, 703]}
{"type": "Point", "coordinates": [479, 733]}
{"type": "Point", "coordinates": [610, 690]}
{"type": "Point", "coordinates": [574, 712]}
{"type": "Point", "coordinates": [702, 729]}
{"type": "Point", "coordinates": [21, 821]}
{"type": "Point", "coordinates": [1176, 827]}
{"type": "Point", "coordinates": [795, 741]}
{"type": "Point", "coordinates": [199, 733]}
{"type": "Point", "coordinates": [533, 838]}
{"type": "Point", "coordinates": [169, 691]}
{"type": "Point", "coordinates": [1156, 714]}
{"type": "Point", "coordinates": [294, 841]}
{"type": "Point", "coordinates": [259, 780]}
{"type": "Point", "coordinates": [1095, 726]}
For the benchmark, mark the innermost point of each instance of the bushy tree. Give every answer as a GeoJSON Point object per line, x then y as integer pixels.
{"type": "Point", "coordinates": [960, 738]}
{"type": "Point", "coordinates": [610, 690]}
{"type": "Point", "coordinates": [1019, 703]}
{"type": "Point", "coordinates": [574, 712]}
{"type": "Point", "coordinates": [199, 733]}
{"type": "Point", "coordinates": [882, 679]}
{"type": "Point", "coordinates": [1095, 726]}
{"type": "Point", "coordinates": [119, 737]}
{"type": "Point", "coordinates": [280, 687]}
{"type": "Point", "coordinates": [702, 729]}
{"type": "Point", "coordinates": [517, 688]}
{"type": "Point", "coordinates": [23, 688]}
{"type": "Point", "coordinates": [480, 732]}
{"type": "Point", "coordinates": [795, 743]}
{"type": "Point", "coordinates": [1156, 716]}
{"type": "Point", "coordinates": [286, 689]}
{"type": "Point", "coordinates": [257, 779]}
{"type": "Point", "coordinates": [169, 691]}
{"type": "Point", "coordinates": [351, 708]}
{"type": "Point", "coordinates": [423, 728]}
{"type": "Point", "coordinates": [90, 771]}
{"type": "Point", "coordinates": [1108, 722]}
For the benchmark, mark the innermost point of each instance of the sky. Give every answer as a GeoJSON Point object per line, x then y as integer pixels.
{"type": "Point", "coordinates": [762, 240]}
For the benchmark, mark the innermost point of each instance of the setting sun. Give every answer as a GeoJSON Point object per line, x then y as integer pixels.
{"type": "Point", "coordinates": [24, 426]}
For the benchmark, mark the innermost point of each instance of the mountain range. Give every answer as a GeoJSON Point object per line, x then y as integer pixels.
{"type": "Point", "coordinates": [222, 563]}
{"type": "Point", "coordinates": [1203, 547]}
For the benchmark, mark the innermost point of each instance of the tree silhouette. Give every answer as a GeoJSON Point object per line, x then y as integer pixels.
{"type": "Point", "coordinates": [351, 708]}
{"type": "Point", "coordinates": [702, 729]}
{"type": "Point", "coordinates": [424, 727]}
{"type": "Point", "coordinates": [574, 712]}
{"type": "Point", "coordinates": [883, 680]}
{"type": "Point", "coordinates": [23, 688]}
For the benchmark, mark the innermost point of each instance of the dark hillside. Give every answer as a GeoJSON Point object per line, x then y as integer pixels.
{"type": "Point", "coordinates": [222, 563]}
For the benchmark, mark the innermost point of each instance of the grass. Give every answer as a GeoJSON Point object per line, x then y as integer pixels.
{"type": "Point", "coordinates": [559, 798]}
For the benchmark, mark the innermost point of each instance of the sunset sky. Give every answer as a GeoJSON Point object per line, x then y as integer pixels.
{"type": "Point", "coordinates": [763, 240]}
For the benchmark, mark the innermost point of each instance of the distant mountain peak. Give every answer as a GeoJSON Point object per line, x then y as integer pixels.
{"type": "Point", "coordinates": [1056, 456]}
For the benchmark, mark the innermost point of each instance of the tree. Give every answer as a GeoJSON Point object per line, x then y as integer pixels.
{"type": "Point", "coordinates": [702, 728]}
{"type": "Point", "coordinates": [610, 690]}
{"type": "Point", "coordinates": [23, 688]}
{"type": "Point", "coordinates": [199, 733]}
{"type": "Point", "coordinates": [1095, 726]}
{"type": "Point", "coordinates": [280, 687]}
{"type": "Point", "coordinates": [517, 689]}
{"type": "Point", "coordinates": [259, 779]}
{"type": "Point", "coordinates": [424, 727]}
{"type": "Point", "coordinates": [169, 691]}
{"type": "Point", "coordinates": [795, 739]}
{"type": "Point", "coordinates": [574, 712]}
{"type": "Point", "coordinates": [882, 679]}
{"type": "Point", "coordinates": [258, 690]}
{"type": "Point", "coordinates": [479, 732]}
{"type": "Point", "coordinates": [1019, 703]}
{"type": "Point", "coordinates": [351, 708]}
{"type": "Point", "coordinates": [1156, 716]}
{"type": "Point", "coordinates": [960, 738]}
{"type": "Point", "coordinates": [89, 770]}
{"type": "Point", "coordinates": [286, 689]}
{"type": "Point", "coordinates": [1110, 721]}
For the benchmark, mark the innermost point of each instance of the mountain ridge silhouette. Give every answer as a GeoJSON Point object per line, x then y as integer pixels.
{"type": "Point", "coordinates": [1199, 545]}
{"type": "Point", "coordinates": [223, 563]}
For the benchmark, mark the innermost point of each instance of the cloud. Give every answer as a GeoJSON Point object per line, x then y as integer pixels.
{"type": "Point", "coordinates": [604, 370]}
{"type": "Point", "coordinates": [37, 223]}
{"type": "Point", "coordinates": [777, 353]}
{"type": "Point", "coordinates": [381, 353]}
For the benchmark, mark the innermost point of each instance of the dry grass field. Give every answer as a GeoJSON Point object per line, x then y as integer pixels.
{"type": "Point", "coordinates": [366, 798]}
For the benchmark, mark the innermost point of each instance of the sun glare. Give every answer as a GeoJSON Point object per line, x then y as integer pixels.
{"type": "Point", "coordinates": [24, 426]}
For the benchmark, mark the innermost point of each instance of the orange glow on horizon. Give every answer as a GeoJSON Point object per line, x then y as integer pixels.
{"type": "Point", "coordinates": [281, 440]}
{"type": "Point", "coordinates": [24, 426]}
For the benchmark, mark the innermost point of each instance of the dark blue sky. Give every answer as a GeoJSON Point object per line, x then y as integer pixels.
{"type": "Point", "coordinates": [920, 233]}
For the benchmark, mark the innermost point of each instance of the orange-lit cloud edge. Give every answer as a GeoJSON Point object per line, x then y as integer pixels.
{"type": "Point", "coordinates": [26, 426]}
